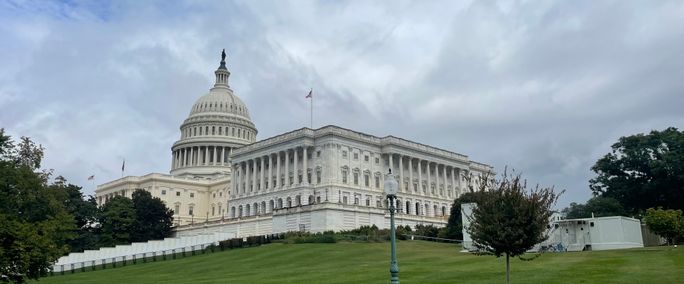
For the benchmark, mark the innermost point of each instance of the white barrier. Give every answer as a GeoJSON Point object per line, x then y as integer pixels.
{"type": "Point", "coordinates": [136, 251]}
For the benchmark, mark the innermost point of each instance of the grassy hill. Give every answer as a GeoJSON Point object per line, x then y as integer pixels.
{"type": "Point", "coordinates": [419, 262]}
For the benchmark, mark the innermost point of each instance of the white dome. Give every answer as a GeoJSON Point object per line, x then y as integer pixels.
{"type": "Point", "coordinates": [218, 123]}
{"type": "Point", "coordinates": [220, 101]}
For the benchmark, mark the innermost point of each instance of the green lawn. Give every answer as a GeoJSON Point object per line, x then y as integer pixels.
{"type": "Point", "coordinates": [419, 262]}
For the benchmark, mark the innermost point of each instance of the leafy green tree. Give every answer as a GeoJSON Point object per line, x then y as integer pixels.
{"type": "Point", "coordinates": [643, 171]}
{"type": "Point", "coordinates": [509, 220]}
{"type": "Point", "coordinates": [454, 227]}
{"type": "Point", "coordinates": [599, 206]}
{"type": "Point", "coordinates": [34, 224]}
{"type": "Point", "coordinates": [117, 218]}
{"type": "Point", "coordinates": [84, 210]}
{"type": "Point", "coordinates": [666, 223]}
{"type": "Point", "coordinates": [153, 220]}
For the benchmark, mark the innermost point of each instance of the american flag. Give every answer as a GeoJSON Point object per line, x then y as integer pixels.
{"type": "Point", "coordinates": [91, 177]}
{"type": "Point", "coordinates": [310, 94]}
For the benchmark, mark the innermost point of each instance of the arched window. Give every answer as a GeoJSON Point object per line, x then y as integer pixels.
{"type": "Point", "coordinates": [408, 207]}
{"type": "Point", "coordinates": [240, 211]}
{"type": "Point", "coordinates": [289, 202]}
{"type": "Point", "coordinates": [298, 200]}
{"type": "Point", "coordinates": [232, 212]}
{"type": "Point", "coordinates": [311, 199]}
{"type": "Point", "coordinates": [256, 208]}
{"type": "Point", "coordinates": [248, 212]}
{"type": "Point", "coordinates": [417, 208]}
{"type": "Point", "coordinates": [263, 207]}
{"type": "Point", "coordinates": [435, 210]}
{"type": "Point", "coordinates": [270, 206]}
{"type": "Point", "coordinates": [443, 211]}
{"type": "Point", "coordinates": [280, 203]}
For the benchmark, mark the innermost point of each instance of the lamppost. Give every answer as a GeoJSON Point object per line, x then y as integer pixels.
{"type": "Point", "coordinates": [391, 186]}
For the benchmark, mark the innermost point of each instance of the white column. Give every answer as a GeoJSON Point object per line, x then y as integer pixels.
{"type": "Point", "coordinates": [401, 173]}
{"type": "Point", "coordinates": [444, 173]}
{"type": "Point", "coordinates": [306, 168]}
{"type": "Point", "coordinates": [410, 160]}
{"type": "Point", "coordinates": [254, 176]}
{"type": "Point", "coordinates": [277, 184]}
{"type": "Point", "coordinates": [391, 164]}
{"type": "Point", "coordinates": [270, 171]}
{"type": "Point", "coordinates": [173, 160]}
{"type": "Point", "coordinates": [261, 175]}
{"type": "Point", "coordinates": [453, 181]}
{"type": "Point", "coordinates": [214, 160]}
{"type": "Point", "coordinates": [296, 172]}
{"type": "Point", "coordinates": [420, 177]}
{"type": "Point", "coordinates": [287, 168]}
{"type": "Point", "coordinates": [206, 155]}
{"type": "Point", "coordinates": [427, 188]}
{"type": "Point", "coordinates": [233, 179]}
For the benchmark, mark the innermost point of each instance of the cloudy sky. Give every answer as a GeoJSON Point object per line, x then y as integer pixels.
{"type": "Point", "coordinates": [544, 87]}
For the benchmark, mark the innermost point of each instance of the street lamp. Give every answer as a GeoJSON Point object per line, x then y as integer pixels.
{"type": "Point", "coordinates": [391, 186]}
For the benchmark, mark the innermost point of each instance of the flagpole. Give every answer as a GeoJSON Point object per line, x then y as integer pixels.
{"type": "Point", "coordinates": [311, 118]}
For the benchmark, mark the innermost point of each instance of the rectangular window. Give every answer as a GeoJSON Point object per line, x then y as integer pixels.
{"type": "Point", "coordinates": [415, 187]}
{"type": "Point", "coordinates": [177, 193]}
{"type": "Point", "coordinates": [213, 209]}
{"type": "Point", "coordinates": [356, 156]}
{"type": "Point", "coordinates": [176, 209]}
{"type": "Point", "coordinates": [356, 178]}
{"type": "Point", "coordinates": [308, 177]}
{"type": "Point", "coordinates": [344, 176]}
{"type": "Point", "coordinates": [366, 158]}
{"type": "Point", "coordinates": [377, 182]}
{"type": "Point", "coordinates": [368, 202]}
{"type": "Point", "coordinates": [344, 200]}
{"type": "Point", "coordinates": [318, 177]}
{"type": "Point", "coordinates": [192, 194]}
{"type": "Point", "coordinates": [366, 180]}
{"type": "Point", "coordinates": [377, 160]}
{"type": "Point", "coordinates": [318, 153]}
{"type": "Point", "coordinates": [163, 191]}
{"type": "Point", "coordinates": [344, 154]}
{"type": "Point", "coordinates": [190, 210]}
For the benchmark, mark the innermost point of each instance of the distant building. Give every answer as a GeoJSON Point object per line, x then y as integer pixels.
{"type": "Point", "coordinates": [330, 178]}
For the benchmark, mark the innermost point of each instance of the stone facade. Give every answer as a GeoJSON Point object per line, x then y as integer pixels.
{"type": "Point", "coordinates": [328, 178]}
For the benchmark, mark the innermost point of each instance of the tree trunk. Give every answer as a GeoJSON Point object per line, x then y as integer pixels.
{"type": "Point", "coordinates": [508, 270]}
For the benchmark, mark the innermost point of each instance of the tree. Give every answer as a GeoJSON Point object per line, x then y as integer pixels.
{"type": "Point", "coordinates": [598, 206]}
{"type": "Point", "coordinates": [153, 220]}
{"type": "Point", "coordinates": [84, 211]}
{"type": "Point", "coordinates": [643, 171]}
{"type": "Point", "coordinates": [509, 220]}
{"type": "Point", "coordinates": [454, 227]}
{"type": "Point", "coordinates": [34, 223]}
{"type": "Point", "coordinates": [117, 217]}
{"type": "Point", "coordinates": [666, 223]}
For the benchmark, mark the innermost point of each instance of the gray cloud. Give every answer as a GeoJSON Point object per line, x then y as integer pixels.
{"type": "Point", "coordinates": [542, 87]}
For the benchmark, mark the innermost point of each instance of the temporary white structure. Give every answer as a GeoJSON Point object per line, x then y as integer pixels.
{"type": "Point", "coordinates": [601, 233]}
{"type": "Point", "coordinates": [119, 253]}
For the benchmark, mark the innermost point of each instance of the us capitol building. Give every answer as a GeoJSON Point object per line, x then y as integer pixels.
{"type": "Point", "coordinates": [330, 178]}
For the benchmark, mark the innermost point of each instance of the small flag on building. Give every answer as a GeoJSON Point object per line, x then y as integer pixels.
{"type": "Point", "coordinates": [310, 94]}
{"type": "Point", "coordinates": [123, 166]}
{"type": "Point", "coordinates": [91, 177]}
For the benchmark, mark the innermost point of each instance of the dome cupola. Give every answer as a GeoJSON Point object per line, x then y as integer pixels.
{"type": "Point", "coordinates": [218, 122]}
